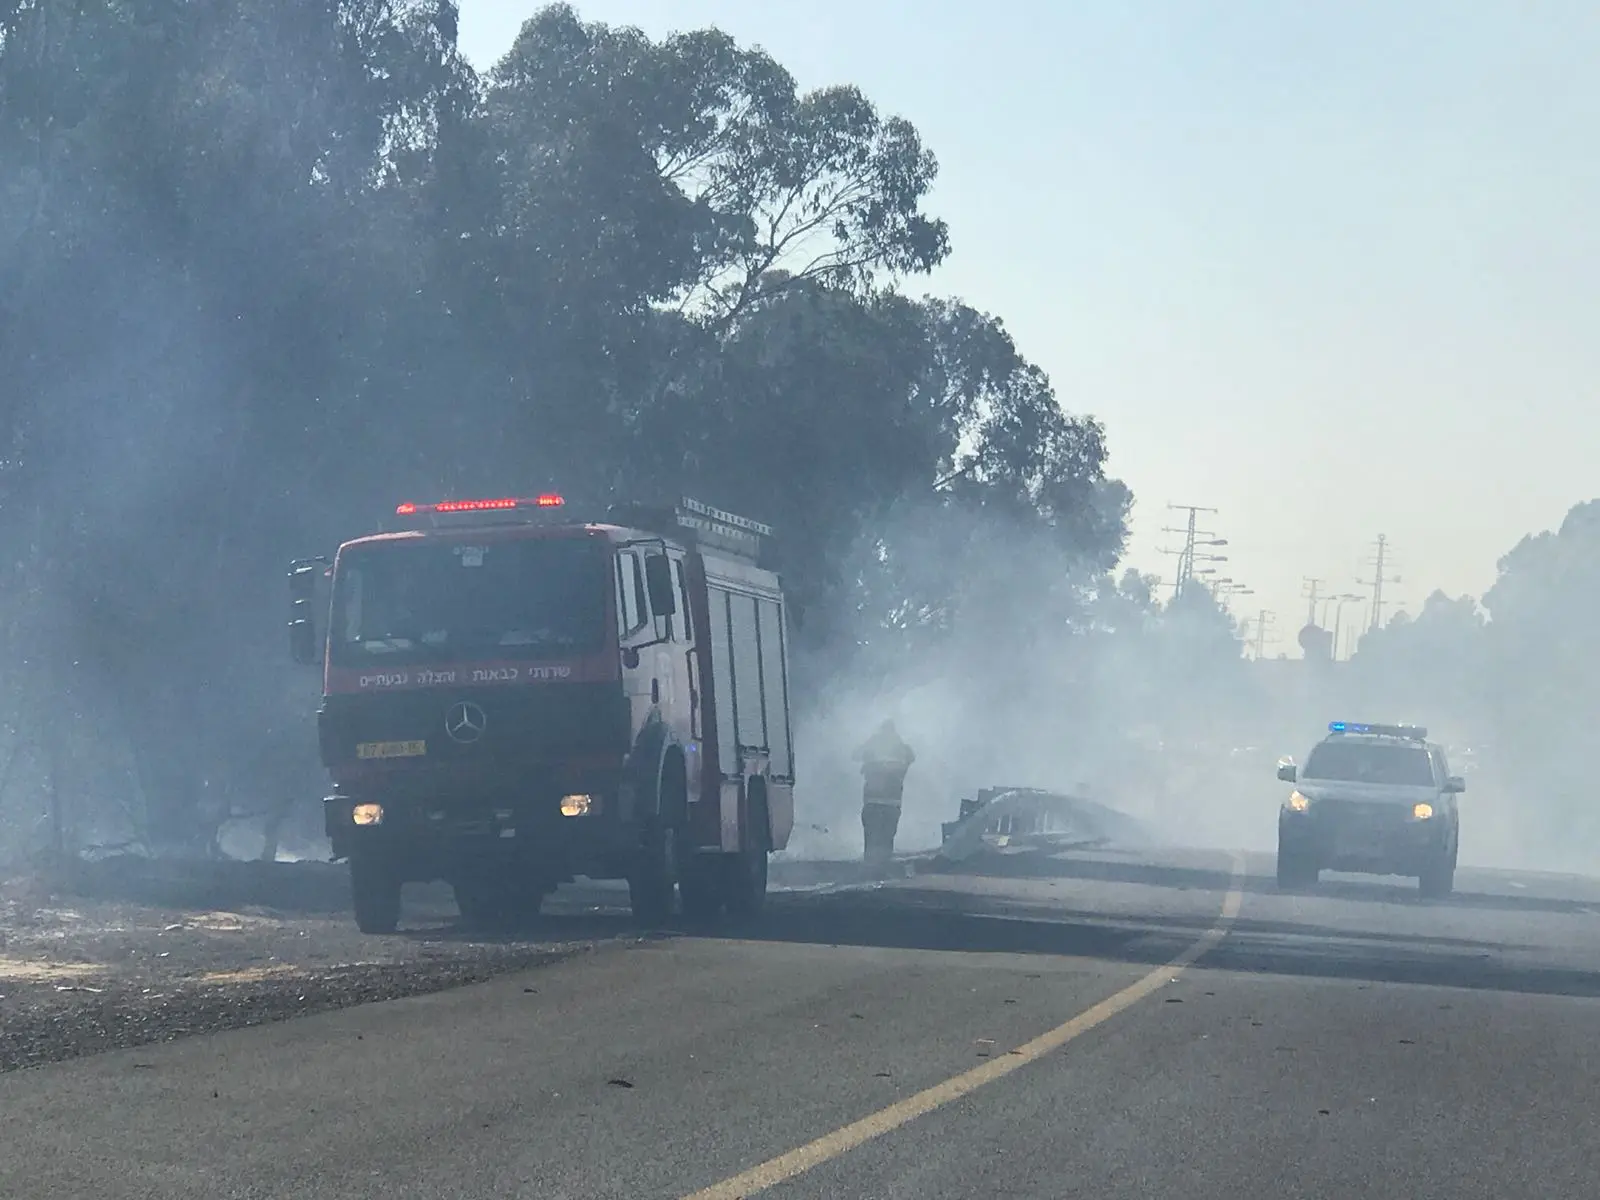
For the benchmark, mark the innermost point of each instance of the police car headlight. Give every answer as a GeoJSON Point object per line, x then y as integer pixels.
{"type": "Point", "coordinates": [1298, 802]}
{"type": "Point", "coordinates": [1422, 811]}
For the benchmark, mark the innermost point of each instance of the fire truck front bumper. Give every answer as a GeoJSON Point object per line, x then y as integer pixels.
{"type": "Point", "coordinates": [558, 836]}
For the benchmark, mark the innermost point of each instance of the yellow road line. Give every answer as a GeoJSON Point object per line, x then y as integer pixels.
{"type": "Point", "coordinates": [840, 1141]}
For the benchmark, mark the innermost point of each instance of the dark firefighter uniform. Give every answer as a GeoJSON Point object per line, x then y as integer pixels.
{"type": "Point", "coordinates": [884, 760]}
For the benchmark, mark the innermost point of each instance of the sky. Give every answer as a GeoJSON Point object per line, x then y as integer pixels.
{"type": "Point", "coordinates": [1329, 269]}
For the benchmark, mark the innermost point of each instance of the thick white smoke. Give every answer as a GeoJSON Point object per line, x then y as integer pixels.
{"type": "Point", "coordinates": [1046, 674]}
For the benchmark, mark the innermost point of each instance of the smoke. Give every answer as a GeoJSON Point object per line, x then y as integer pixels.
{"type": "Point", "coordinates": [133, 628]}
{"type": "Point", "coordinates": [1043, 672]}
{"type": "Point", "coordinates": [1006, 660]}
{"type": "Point", "coordinates": [1506, 682]}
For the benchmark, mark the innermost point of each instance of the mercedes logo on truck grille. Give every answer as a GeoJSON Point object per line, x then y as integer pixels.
{"type": "Point", "coordinates": [465, 722]}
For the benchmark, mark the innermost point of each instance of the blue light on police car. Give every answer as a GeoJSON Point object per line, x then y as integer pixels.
{"type": "Point", "coordinates": [1415, 733]}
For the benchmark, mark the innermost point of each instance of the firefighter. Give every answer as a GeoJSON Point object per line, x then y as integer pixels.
{"type": "Point", "coordinates": [884, 760]}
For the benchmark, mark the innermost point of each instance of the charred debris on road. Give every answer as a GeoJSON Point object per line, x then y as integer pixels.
{"type": "Point", "coordinates": [128, 952]}
{"type": "Point", "coordinates": [1023, 819]}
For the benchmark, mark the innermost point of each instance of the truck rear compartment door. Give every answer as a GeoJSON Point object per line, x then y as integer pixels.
{"type": "Point", "coordinates": [722, 693]}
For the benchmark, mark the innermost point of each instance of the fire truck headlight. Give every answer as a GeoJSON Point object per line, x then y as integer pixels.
{"type": "Point", "coordinates": [576, 806]}
{"type": "Point", "coordinates": [367, 814]}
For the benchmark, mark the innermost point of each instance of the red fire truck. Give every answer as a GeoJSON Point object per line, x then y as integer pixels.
{"type": "Point", "coordinates": [512, 698]}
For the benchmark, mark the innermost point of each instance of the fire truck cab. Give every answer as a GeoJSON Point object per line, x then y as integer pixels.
{"type": "Point", "coordinates": [512, 699]}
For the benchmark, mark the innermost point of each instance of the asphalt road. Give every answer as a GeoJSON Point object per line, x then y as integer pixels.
{"type": "Point", "coordinates": [1015, 1031]}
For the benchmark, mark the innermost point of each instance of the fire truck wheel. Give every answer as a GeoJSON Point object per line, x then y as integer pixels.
{"type": "Point", "coordinates": [375, 888]}
{"type": "Point", "coordinates": [700, 883]}
{"type": "Point", "coordinates": [746, 882]}
{"type": "Point", "coordinates": [652, 885]}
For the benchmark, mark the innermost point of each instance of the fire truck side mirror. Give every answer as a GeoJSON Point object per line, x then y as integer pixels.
{"type": "Point", "coordinates": [658, 581]}
{"type": "Point", "coordinates": [302, 633]}
{"type": "Point", "coordinates": [303, 647]}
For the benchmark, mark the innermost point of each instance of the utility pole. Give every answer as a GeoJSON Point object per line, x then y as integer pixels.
{"type": "Point", "coordinates": [1229, 589]}
{"type": "Point", "coordinates": [1338, 617]}
{"type": "Point", "coordinates": [1264, 618]}
{"type": "Point", "coordinates": [1310, 592]}
{"type": "Point", "coordinates": [1378, 563]}
{"type": "Point", "coordinates": [1192, 537]}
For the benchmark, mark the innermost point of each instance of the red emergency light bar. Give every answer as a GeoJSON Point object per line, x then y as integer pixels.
{"type": "Point", "coordinates": [548, 500]}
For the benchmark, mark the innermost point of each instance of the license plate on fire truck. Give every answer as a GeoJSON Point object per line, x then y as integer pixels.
{"type": "Point", "coordinates": [391, 749]}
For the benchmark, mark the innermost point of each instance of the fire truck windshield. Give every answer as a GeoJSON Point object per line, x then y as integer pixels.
{"type": "Point", "coordinates": [426, 601]}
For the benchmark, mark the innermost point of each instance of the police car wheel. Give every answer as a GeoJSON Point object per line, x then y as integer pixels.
{"type": "Point", "coordinates": [1295, 870]}
{"type": "Point", "coordinates": [1438, 877]}
{"type": "Point", "coordinates": [375, 889]}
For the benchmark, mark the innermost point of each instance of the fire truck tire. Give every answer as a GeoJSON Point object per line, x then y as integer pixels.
{"type": "Point", "coordinates": [375, 889]}
{"type": "Point", "coordinates": [745, 878]}
{"type": "Point", "coordinates": [746, 883]}
{"type": "Point", "coordinates": [700, 884]}
{"type": "Point", "coordinates": [652, 885]}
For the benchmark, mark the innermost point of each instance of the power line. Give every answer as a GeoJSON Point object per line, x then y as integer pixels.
{"type": "Point", "coordinates": [1193, 537]}
{"type": "Point", "coordinates": [1309, 590]}
{"type": "Point", "coordinates": [1263, 621]}
{"type": "Point", "coordinates": [1378, 562]}
{"type": "Point", "coordinates": [1228, 591]}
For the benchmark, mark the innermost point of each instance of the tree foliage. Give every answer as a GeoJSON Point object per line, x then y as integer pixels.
{"type": "Point", "coordinates": [1428, 663]}
{"type": "Point", "coordinates": [1513, 673]}
{"type": "Point", "coordinates": [720, 170]}
{"type": "Point", "coordinates": [268, 267]}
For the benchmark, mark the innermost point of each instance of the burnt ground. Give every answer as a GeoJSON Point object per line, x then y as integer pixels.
{"type": "Point", "coordinates": [130, 951]}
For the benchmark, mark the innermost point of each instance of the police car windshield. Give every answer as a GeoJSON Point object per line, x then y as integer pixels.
{"type": "Point", "coordinates": [423, 601]}
{"type": "Point", "coordinates": [1393, 763]}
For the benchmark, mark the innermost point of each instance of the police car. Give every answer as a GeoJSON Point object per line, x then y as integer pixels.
{"type": "Point", "coordinates": [1373, 799]}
